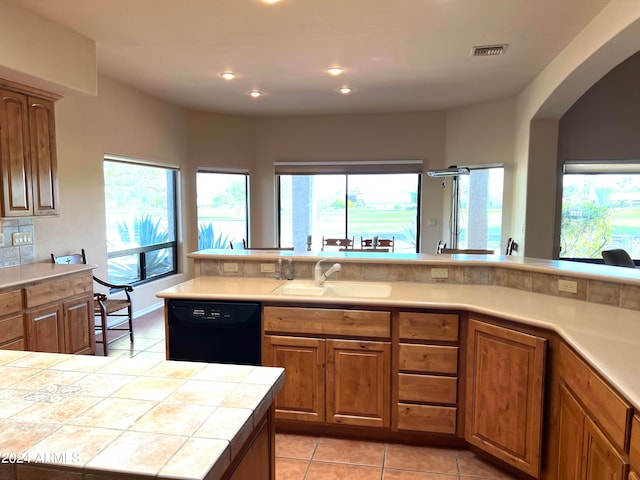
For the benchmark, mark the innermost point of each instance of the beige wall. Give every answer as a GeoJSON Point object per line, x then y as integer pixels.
{"type": "Point", "coordinates": [43, 54]}
{"type": "Point", "coordinates": [401, 136]}
{"type": "Point", "coordinates": [120, 121]}
{"type": "Point", "coordinates": [482, 134]}
{"type": "Point", "coordinates": [607, 41]}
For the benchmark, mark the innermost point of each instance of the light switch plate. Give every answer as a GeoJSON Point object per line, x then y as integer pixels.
{"type": "Point", "coordinates": [19, 239]}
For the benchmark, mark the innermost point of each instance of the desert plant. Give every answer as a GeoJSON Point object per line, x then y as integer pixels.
{"type": "Point", "coordinates": [208, 237]}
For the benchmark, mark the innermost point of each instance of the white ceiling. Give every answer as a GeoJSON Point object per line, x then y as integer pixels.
{"type": "Point", "coordinates": [399, 55]}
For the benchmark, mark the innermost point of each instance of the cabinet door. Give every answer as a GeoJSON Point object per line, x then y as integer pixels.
{"type": "Point", "coordinates": [14, 155]}
{"type": "Point", "coordinates": [79, 334]}
{"type": "Point", "coordinates": [46, 332]}
{"type": "Point", "coordinates": [358, 383]}
{"type": "Point", "coordinates": [504, 394]}
{"type": "Point", "coordinates": [303, 395]}
{"type": "Point", "coordinates": [571, 419]}
{"type": "Point", "coordinates": [42, 140]}
{"type": "Point", "coordinates": [602, 461]}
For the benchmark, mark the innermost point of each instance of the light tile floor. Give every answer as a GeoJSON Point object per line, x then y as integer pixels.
{"type": "Point", "coordinates": [318, 458]}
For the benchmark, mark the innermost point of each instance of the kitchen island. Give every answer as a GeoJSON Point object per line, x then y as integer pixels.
{"type": "Point", "coordinates": [94, 418]}
{"type": "Point", "coordinates": [530, 361]}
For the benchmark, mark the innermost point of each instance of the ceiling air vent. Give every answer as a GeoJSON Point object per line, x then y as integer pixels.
{"type": "Point", "coordinates": [488, 50]}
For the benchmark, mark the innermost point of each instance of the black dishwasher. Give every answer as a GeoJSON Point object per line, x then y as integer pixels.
{"type": "Point", "coordinates": [210, 331]}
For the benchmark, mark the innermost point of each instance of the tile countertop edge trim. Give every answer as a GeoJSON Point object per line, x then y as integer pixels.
{"type": "Point", "coordinates": [538, 265]}
{"type": "Point", "coordinates": [514, 311]}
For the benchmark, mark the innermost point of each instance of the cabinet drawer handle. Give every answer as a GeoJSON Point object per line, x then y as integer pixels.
{"type": "Point", "coordinates": [37, 105]}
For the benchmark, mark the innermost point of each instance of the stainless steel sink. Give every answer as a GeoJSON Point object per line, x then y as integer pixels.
{"type": "Point", "coordinates": [308, 288]}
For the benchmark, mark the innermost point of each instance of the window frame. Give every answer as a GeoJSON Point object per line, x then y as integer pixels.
{"type": "Point", "coordinates": [246, 175]}
{"type": "Point", "coordinates": [142, 252]}
{"type": "Point", "coordinates": [349, 169]}
{"type": "Point", "coordinates": [595, 168]}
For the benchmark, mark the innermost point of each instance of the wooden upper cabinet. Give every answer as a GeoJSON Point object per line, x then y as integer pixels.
{"type": "Point", "coordinates": [44, 170]}
{"type": "Point", "coordinates": [504, 394]}
{"type": "Point", "coordinates": [27, 155]}
{"type": "Point", "coordinates": [15, 156]}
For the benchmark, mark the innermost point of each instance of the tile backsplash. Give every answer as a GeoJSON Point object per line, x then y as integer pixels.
{"type": "Point", "coordinates": [16, 255]}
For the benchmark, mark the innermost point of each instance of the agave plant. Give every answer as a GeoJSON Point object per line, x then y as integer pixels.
{"type": "Point", "coordinates": [209, 238]}
{"type": "Point", "coordinates": [145, 232]}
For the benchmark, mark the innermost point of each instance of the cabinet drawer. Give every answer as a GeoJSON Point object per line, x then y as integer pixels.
{"type": "Point", "coordinates": [634, 449]}
{"type": "Point", "coordinates": [324, 321]}
{"type": "Point", "coordinates": [428, 326]}
{"type": "Point", "coordinates": [10, 302]}
{"type": "Point", "coordinates": [427, 388]}
{"type": "Point", "coordinates": [55, 290]}
{"type": "Point", "coordinates": [15, 345]}
{"type": "Point", "coordinates": [610, 411]}
{"type": "Point", "coordinates": [11, 328]}
{"type": "Point", "coordinates": [426, 418]}
{"type": "Point", "coordinates": [428, 358]}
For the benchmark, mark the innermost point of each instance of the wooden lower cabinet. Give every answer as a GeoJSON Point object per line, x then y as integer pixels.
{"type": "Point", "coordinates": [505, 394]}
{"type": "Point", "coordinates": [593, 424]}
{"type": "Point", "coordinates": [303, 395]}
{"type": "Point", "coordinates": [77, 315]}
{"type": "Point", "coordinates": [601, 460]}
{"type": "Point", "coordinates": [634, 449]}
{"type": "Point", "coordinates": [59, 315]}
{"type": "Point", "coordinates": [45, 328]}
{"type": "Point", "coordinates": [358, 382]}
{"type": "Point", "coordinates": [11, 321]}
{"type": "Point", "coordinates": [258, 458]}
{"type": "Point", "coordinates": [331, 381]}
{"type": "Point", "coordinates": [583, 450]}
{"type": "Point", "coordinates": [427, 373]}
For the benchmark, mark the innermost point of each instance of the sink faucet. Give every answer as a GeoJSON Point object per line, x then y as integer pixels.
{"type": "Point", "coordinates": [320, 277]}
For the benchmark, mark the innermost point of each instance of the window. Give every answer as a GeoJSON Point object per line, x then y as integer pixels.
{"type": "Point", "coordinates": [222, 208]}
{"type": "Point", "coordinates": [480, 208]}
{"type": "Point", "coordinates": [600, 209]}
{"type": "Point", "coordinates": [349, 205]}
{"type": "Point", "coordinates": [140, 202]}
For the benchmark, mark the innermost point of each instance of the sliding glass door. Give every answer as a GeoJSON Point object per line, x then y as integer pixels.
{"type": "Point", "coordinates": [349, 206]}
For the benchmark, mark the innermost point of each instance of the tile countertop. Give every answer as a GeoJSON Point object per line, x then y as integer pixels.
{"type": "Point", "coordinates": [148, 418]}
{"type": "Point", "coordinates": [607, 337]}
{"type": "Point", "coordinates": [11, 277]}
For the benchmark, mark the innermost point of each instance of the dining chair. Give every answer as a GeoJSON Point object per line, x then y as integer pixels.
{"type": "Point", "coordinates": [345, 243]}
{"type": "Point", "coordinates": [111, 313]}
{"type": "Point", "coordinates": [238, 245]}
{"type": "Point", "coordinates": [618, 257]}
{"type": "Point", "coordinates": [474, 251]}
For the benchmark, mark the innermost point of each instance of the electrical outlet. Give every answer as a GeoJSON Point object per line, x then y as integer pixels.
{"type": "Point", "coordinates": [568, 286]}
{"type": "Point", "coordinates": [267, 267]}
{"type": "Point", "coordinates": [230, 267]}
{"type": "Point", "coordinates": [439, 273]}
{"type": "Point", "coordinates": [1, 239]}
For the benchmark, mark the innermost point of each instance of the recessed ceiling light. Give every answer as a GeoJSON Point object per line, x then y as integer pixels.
{"type": "Point", "coordinates": [228, 75]}
{"type": "Point", "coordinates": [255, 93]}
{"type": "Point", "coordinates": [271, 1]}
{"type": "Point", "coordinates": [335, 71]}
{"type": "Point", "coordinates": [345, 90]}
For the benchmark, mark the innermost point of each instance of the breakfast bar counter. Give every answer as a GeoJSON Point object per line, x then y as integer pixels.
{"type": "Point", "coordinates": [85, 417]}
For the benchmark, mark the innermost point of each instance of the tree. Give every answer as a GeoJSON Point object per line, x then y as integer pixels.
{"type": "Point", "coordinates": [586, 228]}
